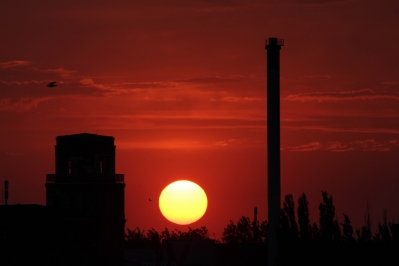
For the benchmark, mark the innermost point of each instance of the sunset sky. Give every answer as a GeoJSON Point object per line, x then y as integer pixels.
{"type": "Point", "coordinates": [181, 85]}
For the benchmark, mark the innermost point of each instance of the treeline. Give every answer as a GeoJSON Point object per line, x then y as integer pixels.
{"type": "Point", "coordinates": [295, 226]}
{"type": "Point", "coordinates": [301, 242]}
{"type": "Point", "coordinates": [326, 242]}
{"type": "Point", "coordinates": [152, 239]}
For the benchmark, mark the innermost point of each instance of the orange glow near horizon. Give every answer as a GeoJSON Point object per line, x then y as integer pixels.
{"type": "Point", "coordinates": [183, 202]}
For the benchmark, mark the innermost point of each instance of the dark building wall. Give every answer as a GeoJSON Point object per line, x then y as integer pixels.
{"type": "Point", "coordinates": [23, 234]}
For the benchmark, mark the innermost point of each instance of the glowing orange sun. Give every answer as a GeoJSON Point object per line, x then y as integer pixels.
{"type": "Point", "coordinates": [183, 202]}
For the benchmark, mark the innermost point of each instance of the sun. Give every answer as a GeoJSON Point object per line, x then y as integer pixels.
{"type": "Point", "coordinates": [183, 202]}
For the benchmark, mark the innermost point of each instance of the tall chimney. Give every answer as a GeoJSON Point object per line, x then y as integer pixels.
{"type": "Point", "coordinates": [273, 46]}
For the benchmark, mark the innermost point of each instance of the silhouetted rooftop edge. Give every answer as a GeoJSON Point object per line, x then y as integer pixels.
{"type": "Point", "coordinates": [84, 135]}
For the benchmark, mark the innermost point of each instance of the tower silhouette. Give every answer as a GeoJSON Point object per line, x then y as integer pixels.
{"type": "Point", "coordinates": [86, 200]}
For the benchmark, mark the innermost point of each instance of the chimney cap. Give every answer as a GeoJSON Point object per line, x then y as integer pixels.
{"type": "Point", "coordinates": [272, 41]}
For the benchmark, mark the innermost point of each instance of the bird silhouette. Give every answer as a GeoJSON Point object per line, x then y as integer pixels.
{"type": "Point", "coordinates": [52, 84]}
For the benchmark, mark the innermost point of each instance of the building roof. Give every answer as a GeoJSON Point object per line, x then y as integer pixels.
{"type": "Point", "coordinates": [83, 136]}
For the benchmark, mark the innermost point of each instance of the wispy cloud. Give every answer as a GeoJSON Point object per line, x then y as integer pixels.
{"type": "Point", "coordinates": [27, 82]}
{"type": "Point", "coordinates": [238, 99]}
{"type": "Point", "coordinates": [344, 129]}
{"type": "Point", "coordinates": [15, 63]}
{"type": "Point", "coordinates": [7, 153]}
{"type": "Point", "coordinates": [368, 145]}
{"type": "Point", "coordinates": [223, 5]}
{"type": "Point", "coordinates": [391, 82]}
{"type": "Point", "coordinates": [61, 72]}
{"type": "Point", "coordinates": [143, 85]}
{"type": "Point", "coordinates": [146, 88]}
{"type": "Point", "coordinates": [164, 144]}
{"type": "Point", "coordinates": [90, 83]}
{"type": "Point", "coordinates": [317, 2]}
{"type": "Point", "coordinates": [22, 105]}
{"type": "Point", "coordinates": [320, 1]}
{"type": "Point", "coordinates": [213, 79]}
{"type": "Point", "coordinates": [336, 146]}
{"type": "Point", "coordinates": [196, 143]}
{"type": "Point", "coordinates": [312, 146]}
{"type": "Point", "coordinates": [161, 99]}
{"type": "Point", "coordinates": [101, 88]}
{"type": "Point", "coordinates": [371, 145]}
{"type": "Point", "coordinates": [24, 82]}
{"type": "Point", "coordinates": [317, 77]}
{"type": "Point", "coordinates": [364, 94]}
{"type": "Point", "coordinates": [229, 142]}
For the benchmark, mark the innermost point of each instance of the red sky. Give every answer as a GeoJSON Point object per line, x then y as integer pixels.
{"type": "Point", "coordinates": [181, 87]}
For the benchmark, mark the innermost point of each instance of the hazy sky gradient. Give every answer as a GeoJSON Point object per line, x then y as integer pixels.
{"type": "Point", "coordinates": [181, 85]}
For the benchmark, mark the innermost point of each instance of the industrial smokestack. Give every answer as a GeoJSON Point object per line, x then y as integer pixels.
{"type": "Point", "coordinates": [273, 46]}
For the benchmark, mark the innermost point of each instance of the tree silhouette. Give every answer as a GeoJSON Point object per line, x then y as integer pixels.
{"type": "Point", "coordinates": [263, 232]}
{"type": "Point", "coordinates": [240, 233]}
{"type": "Point", "coordinates": [138, 238]}
{"type": "Point", "coordinates": [170, 235]}
{"type": "Point", "coordinates": [315, 232]}
{"type": "Point", "coordinates": [328, 227]}
{"type": "Point", "coordinates": [243, 232]}
{"type": "Point", "coordinates": [229, 234]}
{"type": "Point", "coordinates": [152, 239]}
{"type": "Point", "coordinates": [384, 229]}
{"type": "Point", "coordinates": [337, 232]}
{"type": "Point", "coordinates": [135, 235]}
{"type": "Point", "coordinates": [198, 233]}
{"type": "Point", "coordinates": [325, 243]}
{"type": "Point", "coordinates": [288, 229]}
{"type": "Point", "coordinates": [284, 228]}
{"type": "Point", "coordinates": [364, 233]}
{"type": "Point", "coordinates": [347, 230]}
{"type": "Point", "coordinates": [303, 218]}
{"type": "Point", "coordinates": [289, 209]}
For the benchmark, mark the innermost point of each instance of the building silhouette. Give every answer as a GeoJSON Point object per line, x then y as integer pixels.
{"type": "Point", "coordinates": [86, 197]}
{"type": "Point", "coordinates": [83, 222]}
{"type": "Point", "coordinates": [23, 234]}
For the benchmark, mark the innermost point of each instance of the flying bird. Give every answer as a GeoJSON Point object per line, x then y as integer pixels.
{"type": "Point", "coordinates": [52, 84]}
